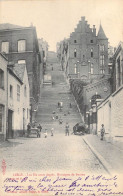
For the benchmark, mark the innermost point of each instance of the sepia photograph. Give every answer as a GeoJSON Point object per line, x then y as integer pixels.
{"type": "Point", "coordinates": [61, 97]}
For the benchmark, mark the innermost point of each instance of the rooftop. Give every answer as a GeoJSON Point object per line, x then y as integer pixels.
{"type": "Point", "coordinates": [19, 70]}
{"type": "Point", "coordinates": [6, 26]}
{"type": "Point", "coordinates": [101, 34]}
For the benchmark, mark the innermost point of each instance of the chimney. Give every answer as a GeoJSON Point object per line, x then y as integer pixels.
{"type": "Point", "coordinates": [83, 18]}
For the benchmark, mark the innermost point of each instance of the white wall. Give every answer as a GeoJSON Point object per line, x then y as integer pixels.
{"type": "Point", "coordinates": [110, 113]}
{"type": "Point", "coordinates": [3, 93]}
{"type": "Point", "coordinates": [13, 104]}
{"type": "Point", "coordinates": [117, 113]}
{"type": "Point", "coordinates": [26, 99]}
{"type": "Point", "coordinates": [18, 106]}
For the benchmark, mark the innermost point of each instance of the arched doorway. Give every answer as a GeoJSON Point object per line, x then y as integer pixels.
{"type": "Point", "coordinates": [94, 97]}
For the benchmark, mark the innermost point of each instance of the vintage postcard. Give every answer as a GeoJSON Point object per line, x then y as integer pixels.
{"type": "Point", "coordinates": [61, 97]}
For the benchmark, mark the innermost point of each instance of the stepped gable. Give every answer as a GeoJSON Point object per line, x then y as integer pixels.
{"type": "Point", "coordinates": [6, 26]}
{"type": "Point", "coordinates": [19, 70]}
{"type": "Point", "coordinates": [101, 34]}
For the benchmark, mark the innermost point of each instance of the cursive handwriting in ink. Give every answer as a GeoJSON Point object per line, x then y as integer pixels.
{"type": "Point", "coordinates": [61, 179]}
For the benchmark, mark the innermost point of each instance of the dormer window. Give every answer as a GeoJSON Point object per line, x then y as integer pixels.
{"type": "Point", "coordinates": [75, 41]}
{"type": "Point", "coordinates": [91, 41]}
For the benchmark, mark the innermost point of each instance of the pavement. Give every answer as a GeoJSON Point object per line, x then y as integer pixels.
{"type": "Point", "coordinates": [107, 153]}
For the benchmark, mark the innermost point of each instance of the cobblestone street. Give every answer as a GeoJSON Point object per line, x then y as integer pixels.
{"type": "Point", "coordinates": [57, 153]}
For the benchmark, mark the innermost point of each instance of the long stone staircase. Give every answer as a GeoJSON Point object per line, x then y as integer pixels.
{"type": "Point", "coordinates": [48, 104]}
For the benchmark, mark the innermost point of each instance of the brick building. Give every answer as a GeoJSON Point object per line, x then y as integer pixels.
{"type": "Point", "coordinates": [20, 45]}
{"type": "Point", "coordinates": [86, 53]}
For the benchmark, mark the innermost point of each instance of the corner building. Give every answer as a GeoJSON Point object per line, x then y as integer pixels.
{"type": "Point", "coordinates": [87, 54]}
{"type": "Point", "coordinates": [20, 46]}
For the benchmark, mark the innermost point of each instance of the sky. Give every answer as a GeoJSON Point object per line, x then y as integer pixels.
{"type": "Point", "coordinates": [56, 19]}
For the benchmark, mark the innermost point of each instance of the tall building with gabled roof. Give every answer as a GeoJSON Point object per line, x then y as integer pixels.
{"type": "Point", "coordinates": [87, 52]}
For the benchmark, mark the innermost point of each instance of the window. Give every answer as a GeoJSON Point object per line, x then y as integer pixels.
{"type": "Point", "coordinates": [91, 41]}
{"type": "Point", "coordinates": [18, 92]}
{"type": "Point", "coordinates": [102, 71]}
{"type": "Point", "coordinates": [75, 53]}
{"type": "Point", "coordinates": [102, 60]}
{"type": "Point", "coordinates": [25, 91]}
{"type": "Point", "coordinates": [21, 62]}
{"type": "Point", "coordinates": [75, 69]}
{"type": "Point", "coordinates": [75, 41]}
{"type": "Point", "coordinates": [102, 47]}
{"type": "Point", "coordinates": [1, 118]}
{"type": "Point", "coordinates": [1, 79]}
{"type": "Point", "coordinates": [92, 68]}
{"type": "Point", "coordinates": [21, 45]}
{"type": "Point", "coordinates": [91, 52]}
{"type": "Point", "coordinates": [11, 91]}
{"type": "Point", "coordinates": [5, 47]}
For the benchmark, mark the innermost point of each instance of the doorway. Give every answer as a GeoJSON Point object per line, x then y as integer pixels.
{"type": "Point", "coordinates": [10, 131]}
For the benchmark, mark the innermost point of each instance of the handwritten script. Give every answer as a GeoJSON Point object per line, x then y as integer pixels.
{"type": "Point", "coordinates": [56, 184]}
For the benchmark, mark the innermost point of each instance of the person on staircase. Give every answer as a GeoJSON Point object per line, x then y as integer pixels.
{"type": "Point", "coordinates": [67, 129]}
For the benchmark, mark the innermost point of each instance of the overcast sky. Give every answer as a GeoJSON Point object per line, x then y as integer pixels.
{"type": "Point", "coordinates": [56, 19]}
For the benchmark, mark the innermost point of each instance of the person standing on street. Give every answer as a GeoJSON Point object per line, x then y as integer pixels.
{"type": "Point", "coordinates": [40, 128]}
{"type": "Point", "coordinates": [52, 130]}
{"type": "Point", "coordinates": [28, 129]}
{"type": "Point", "coordinates": [45, 133]}
{"type": "Point", "coordinates": [102, 132]}
{"type": "Point", "coordinates": [67, 129]}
